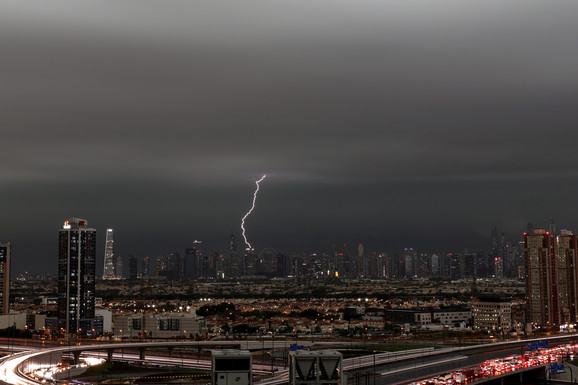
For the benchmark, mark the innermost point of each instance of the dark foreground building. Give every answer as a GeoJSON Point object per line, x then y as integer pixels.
{"type": "Point", "coordinates": [76, 273]}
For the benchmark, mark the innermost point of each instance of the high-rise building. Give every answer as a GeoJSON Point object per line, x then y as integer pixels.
{"type": "Point", "coordinates": [109, 265]}
{"type": "Point", "coordinates": [132, 267]}
{"type": "Point", "coordinates": [76, 273]}
{"type": "Point", "coordinates": [145, 267]}
{"type": "Point", "coordinates": [191, 269]}
{"type": "Point", "coordinates": [118, 267]}
{"type": "Point", "coordinates": [192, 261]}
{"type": "Point", "coordinates": [232, 243]}
{"type": "Point", "coordinates": [566, 276]}
{"type": "Point", "coordinates": [435, 264]}
{"type": "Point", "coordinates": [234, 263]}
{"type": "Point", "coordinates": [551, 276]}
{"type": "Point", "coordinates": [4, 278]}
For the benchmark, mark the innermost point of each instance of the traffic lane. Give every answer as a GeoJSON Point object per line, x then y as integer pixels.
{"type": "Point", "coordinates": [420, 368]}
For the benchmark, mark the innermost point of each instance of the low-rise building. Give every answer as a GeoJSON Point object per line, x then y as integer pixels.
{"type": "Point", "coordinates": [424, 317]}
{"type": "Point", "coordinates": [168, 325]}
{"type": "Point", "coordinates": [449, 316]}
{"type": "Point", "coordinates": [493, 312]}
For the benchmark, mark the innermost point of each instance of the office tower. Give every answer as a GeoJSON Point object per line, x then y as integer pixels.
{"type": "Point", "coordinates": [118, 267]}
{"type": "Point", "coordinates": [219, 262]}
{"type": "Point", "coordinates": [145, 268]}
{"type": "Point", "coordinates": [232, 243]}
{"type": "Point", "coordinates": [455, 264]}
{"type": "Point", "coordinates": [251, 263]}
{"type": "Point", "coordinates": [468, 264]}
{"type": "Point", "coordinates": [551, 276]}
{"type": "Point", "coordinates": [409, 257]}
{"type": "Point", "coordinates": [361, 268]}
{"type": "Point", "coordinates": [496, 254]}
{"type": "Point", "coordinates": [109, 265]}
{"type": "Point", "coordinates": [4, 278]}
{"type": "Point", "coordinates": [234, 262]}
{"type": "Point", "coordinates": [76, 271]}
{"type": "Point", "coordinates": [192, 261]}
{"type": "Point", "coordinates": [173, 267]}
{"type": "Point", "coordinates": [282, 265]}
{"type": "Point", "coordinates": [435, 264]}
{"type": "Point", "coordinates": [191, 270]}
{"type": "Point", "coordinates": [269, 262]}
{"type": "Point", "coordinates": [132, 267]}
{"type": "Point", "coordinates": [200, 267]}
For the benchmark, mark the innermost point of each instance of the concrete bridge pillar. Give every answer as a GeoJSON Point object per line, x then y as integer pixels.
{"type": "Point", "coordinates": [76, 355]}
{"type": "Point", "coordinates": [141, 353]}
{"type": "Point", "coordinates": [109, 353]}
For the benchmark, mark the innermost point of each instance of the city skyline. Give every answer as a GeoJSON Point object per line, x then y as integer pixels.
{"type": "Point", "coordinates": [389, 124]}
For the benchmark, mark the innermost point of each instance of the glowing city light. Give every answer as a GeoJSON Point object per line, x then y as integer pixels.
{"type": "Point", "coordinates": [249, 212]}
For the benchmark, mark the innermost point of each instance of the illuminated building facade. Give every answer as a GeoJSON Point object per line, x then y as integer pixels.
{"type": "Point", "coordinates": [76, 273]}
{"type": "Point", "coordinates": [492, 311]}
{"type": "Point", "coordinates": [4, 278]}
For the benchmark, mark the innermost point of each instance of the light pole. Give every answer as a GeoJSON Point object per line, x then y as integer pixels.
{"type": "Point", "coordinates": [374, 367]}
{"type": "Point", "coordinates": [182, 349]}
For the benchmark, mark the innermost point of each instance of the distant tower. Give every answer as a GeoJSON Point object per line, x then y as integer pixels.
{"type": "Point", "coordinates": [435, 264]}
{"type": "Point", "coordinates": [118, 268]}
{"type": "Point", "coordinates": [132, 267]}
{"type": "Point", "coordinates": [191, 269]}
{"type": "Point", "coordinates": [496, 253]}
{"type": "Point", "coordinates": [360, 250]}
{"type": "Point", "coordinates": [76, 273]}
{"type": "Point", "coordinates": [234, 262]}
{"type": "Point", "coordinates": [552, 226]}
{"type": "Point", "coordinates": [232, 243]}
{"type": "Point", "coordinates": [109, 256]}
{"type": "Point", "coordinates": [146, 267]}
{"type": "Point", "coordinates": [4, 278]}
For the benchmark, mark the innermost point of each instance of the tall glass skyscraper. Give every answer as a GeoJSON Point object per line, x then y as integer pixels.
{"type": "Point", "coordinates": [109, 265]}
{"type": "Point", "coordinates": [76, 273]}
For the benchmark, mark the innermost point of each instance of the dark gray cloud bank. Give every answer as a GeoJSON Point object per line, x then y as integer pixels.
{"type": "Point", "coordinates": [391, 123]}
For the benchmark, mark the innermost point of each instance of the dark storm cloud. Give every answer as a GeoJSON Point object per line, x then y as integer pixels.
{"type": "Point", "coordinates": [389, 123]}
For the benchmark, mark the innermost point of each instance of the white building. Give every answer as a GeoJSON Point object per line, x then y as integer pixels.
{"type": "Point", "coordinates": [157, 325]}
{"type": "Point", "coordinates": [492, 312]}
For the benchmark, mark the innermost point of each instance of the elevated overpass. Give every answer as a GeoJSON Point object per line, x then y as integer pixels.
{"type": "Point", "coordinates": [377, 369]}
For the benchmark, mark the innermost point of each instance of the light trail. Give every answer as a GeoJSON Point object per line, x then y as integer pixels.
{"type": "Point", "coordinates": [249, 212]}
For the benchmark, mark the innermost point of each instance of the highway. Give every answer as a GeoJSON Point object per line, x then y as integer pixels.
{"type": "Point", "coordinates": [376, 369]}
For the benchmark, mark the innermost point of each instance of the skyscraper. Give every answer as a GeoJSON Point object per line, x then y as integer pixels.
{"type": "Point", "coordinates": [145, 267]}
{"type": "Point", "coordinates": [76, 273]}
{"type": "Point", "coordinates": [109, 265]}
{"type": "Point", "coordinates": [4, 278]}
{"type": "Point", "coordinates": [192, 261]}
{"type": "Point", "coordinates": [118, 267]}
{"type": "Point", "coordinates": [234, 265]}
{"type": "Point", "coordinates": [551, 276]}
{"type": "Point", "coordinates": [132, 267]}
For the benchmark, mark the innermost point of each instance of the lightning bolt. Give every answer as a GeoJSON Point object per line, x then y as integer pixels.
{"type": "Point", "coordinates": [249, 212]}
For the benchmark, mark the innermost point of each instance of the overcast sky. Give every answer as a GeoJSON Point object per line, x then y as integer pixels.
{"type": "Point", "coordinates": [389, 123]}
